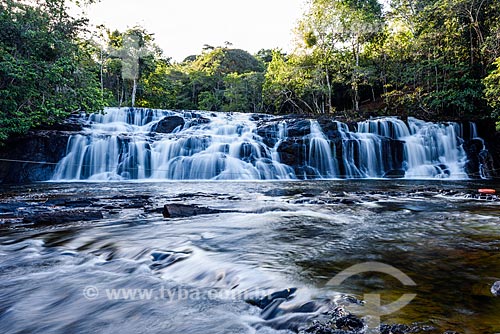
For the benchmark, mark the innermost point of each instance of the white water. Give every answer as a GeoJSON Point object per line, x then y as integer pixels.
{"type": "Point", "coordinates": [121, 145]}
{"type": "Point", "coordinates": [430, 150]}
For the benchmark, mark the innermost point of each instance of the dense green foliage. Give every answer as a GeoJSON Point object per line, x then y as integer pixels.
{"type": "Point", "coordinates": [435, 59]}
{"type": "Point", "coordinates": [46, 71]}
{"type": "Point", "coordinates": [422, 57]}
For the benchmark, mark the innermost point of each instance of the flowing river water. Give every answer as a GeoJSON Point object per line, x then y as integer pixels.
{"type": "Point", "coordinates": [196, 274]}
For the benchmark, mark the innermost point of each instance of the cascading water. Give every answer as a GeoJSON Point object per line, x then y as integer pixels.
{"type": "Point", "coordinates": [122, 145]}
{"type": "Point", "coordinates": [430, 149]}
{"type": "Point", "coordinates": [125, 144]}
{"type": "Point", "coordinates": [320, 153]}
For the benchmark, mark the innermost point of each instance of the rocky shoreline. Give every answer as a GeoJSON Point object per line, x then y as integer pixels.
{"type": "Point", "coordinates": [26, 210]}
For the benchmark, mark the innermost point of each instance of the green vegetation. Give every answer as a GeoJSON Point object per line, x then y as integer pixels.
{"type": "Point", "coordinates": [434, 59]}
{"type": "Point", "coordinates": [46, 70]}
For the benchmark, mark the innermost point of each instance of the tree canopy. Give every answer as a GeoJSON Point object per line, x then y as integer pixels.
{"type": "Point", "coordinates": [46, 69]}
{"type": "Point", "coordinates": [434, 59]}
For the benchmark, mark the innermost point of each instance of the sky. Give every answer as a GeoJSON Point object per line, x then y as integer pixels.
{"type": "Point", "coordinates": [182, 27]}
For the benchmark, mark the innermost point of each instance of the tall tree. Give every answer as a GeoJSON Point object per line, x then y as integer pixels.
{"type": "Point", "coordinates": [345, 25]}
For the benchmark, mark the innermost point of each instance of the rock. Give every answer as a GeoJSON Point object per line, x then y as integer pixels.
{"type": "Point", "coordinates": [395, 174]}
{"type": "Point", "coordinates": [298, 127]}
{"type": "Point", "coordinates": [258, 117]}
{"type": "Point", "coordinates": [442, 169]}
{"type": "Point", "coordinates": [293, 152]}
{"type": "Point", "coordinates": [36, 155]}
{"type": "Point", "coordinates": [62, 217]}
{"type": "Point", "coordinates": [495, 289]}
{"type": "Point", "coordinates": [268, 132]}
{"type": "Point", "coordinates": [349, 323]}
{"type": "Point", "coordinates": [168, 124]}
{"type": "Point", "coordinates": [340, 322]}
{"type": "Point", "coordinates": [185, 210]}
{"type": "Point", "coordinates": [486, 165]}
{"type": "Point", "coordinates": [267, 300]}
{"type": "Point", "coordinates": [163, 259]}
{"type": "Point", "coordinates": [195, 119]}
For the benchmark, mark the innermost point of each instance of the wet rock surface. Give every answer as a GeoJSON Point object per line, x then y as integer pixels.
{"type": "Point", "coordinates": [32, 157]}
{"type": "Point", "coordinates": [359, 197]}
{"type": "Point", "coordinates": [168, 124]}
{"type": "Point", "coordinates": [341, 321]}
{"type": "Point", "coordinates": [36, 211]}
{"type": "Point", "coordinates": [495, 289]}
{"type": "Point", "coordinates": [52, 209]}
{"type": "Point", "coordinates": [185, 210]}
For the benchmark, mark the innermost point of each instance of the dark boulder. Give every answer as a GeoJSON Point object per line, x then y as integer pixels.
{"type": "Point", "coordinates": [298, 127]}
{"type": "Point", "coordinates": [487, 165]}
{"type": "Point", "coordinates": [258, 117]}
{"type": "Point", "coordinates": [198, 121]}
{"type": "Point", "coordinates": [174, 210]}
{"type": "Point", "coordinates": [268, 131]}
{"type": "Point", "coordinates": [75, 123]}
{"type": "Point", "coordinates": [442, 169]}
{"type": "Point", "coordinates": [394, 174]}
{"type": "Point", "coordinates": [62, 217]}
{"type": "Point", "coordinates": [293, 152]}
{"type": "Point", "coordinates": [473, 148]}
{"type": "Point", "coordinates": [168, 124]}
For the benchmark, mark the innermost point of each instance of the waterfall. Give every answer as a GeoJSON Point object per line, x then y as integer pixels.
{"type": "Point", "coordinates": [122, 145]}
{"type": "Point", "coordinates": [431, 150]}
{"type": "Point", "coordinates": [320, 153]}
{"type": "Point", "coordinates": [140, 144]}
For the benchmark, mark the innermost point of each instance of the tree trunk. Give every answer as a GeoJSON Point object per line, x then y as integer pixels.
{"type": "Point", "coordinates": [102, 74]}
{"type": "Point", "coordinates": [134, 91]}
{"type": "Point", "coordinates": [329, 86]}
{"type": "Point", "coordinates": [355, 81]}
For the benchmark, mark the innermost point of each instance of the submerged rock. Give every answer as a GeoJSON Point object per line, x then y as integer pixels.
{"type": "Point", "coordinates": [163, 259]}
{"type": "Point", "coordinates": [62, 217]}
{"type": "Point", "coordinates": [394, 174]}
{"type": "Point", "coordinates": [185, 210]}
{"type": "Point", "coordinates": [495, 289]}
{"type": "Point", "coordinates": [265, 301]}
{"type": "Point", "coordinates": [343, 322]}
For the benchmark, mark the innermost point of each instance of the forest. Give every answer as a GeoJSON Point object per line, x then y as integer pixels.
{"type": "Point", "coordinates": [433, 59]}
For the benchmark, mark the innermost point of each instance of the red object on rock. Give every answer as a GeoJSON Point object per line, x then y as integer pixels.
{"type": "Point", "coordinates": [487, 191]}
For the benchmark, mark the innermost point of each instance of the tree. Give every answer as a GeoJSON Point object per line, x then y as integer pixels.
{"type": "Point", "coordinates": [243, 92]}
{"type": "Point", "coordinates": [136, 54]}
{"type": "Point", "coordinates": [341, 25]}
{"type": "Point", "coordinates": [46, 70]}
{"type": "Point", "coordinates": [492, 89]}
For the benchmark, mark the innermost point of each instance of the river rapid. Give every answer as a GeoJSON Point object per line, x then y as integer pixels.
{"type": "Point", "coordinates": [135, 271]}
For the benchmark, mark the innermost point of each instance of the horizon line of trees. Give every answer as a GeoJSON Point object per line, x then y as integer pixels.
{"type": "Point", "coordinates": [433, 59]}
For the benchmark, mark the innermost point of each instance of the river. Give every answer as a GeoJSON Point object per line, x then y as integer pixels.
{"type": "Point", "coordinates": [196, 274]}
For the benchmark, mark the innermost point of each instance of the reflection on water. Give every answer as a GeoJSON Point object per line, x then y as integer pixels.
{"type": "Point", "coordinates": [274, 236]}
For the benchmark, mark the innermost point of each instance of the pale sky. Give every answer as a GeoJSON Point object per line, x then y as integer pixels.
{"type": "Point", "coordinates": [182, 27]}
